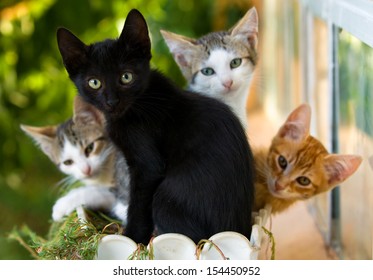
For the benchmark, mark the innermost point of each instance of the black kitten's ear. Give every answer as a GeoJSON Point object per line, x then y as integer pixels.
{"type": "Point", "coordinates": [73, 51]}
{"type": "Point", "coordinates": [135, 31]}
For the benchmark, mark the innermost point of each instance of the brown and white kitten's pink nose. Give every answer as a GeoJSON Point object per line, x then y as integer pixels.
{"type": "Point", "coordinates": [228, 84]}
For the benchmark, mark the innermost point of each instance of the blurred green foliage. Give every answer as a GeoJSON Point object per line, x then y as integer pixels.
{"type": "Point", "coordinates": [355, 82]}
{"type": "Point", "coordinates": [35, 89]}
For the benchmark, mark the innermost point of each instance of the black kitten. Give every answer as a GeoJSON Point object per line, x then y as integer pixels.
{"type": "Point", "coordinates": [190, 163]}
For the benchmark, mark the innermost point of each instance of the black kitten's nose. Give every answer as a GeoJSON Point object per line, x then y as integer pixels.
{"type": "Point", "coordinates": [112, 102]}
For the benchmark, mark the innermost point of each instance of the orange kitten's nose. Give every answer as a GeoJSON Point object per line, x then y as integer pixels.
{"type": "Point", "coordinates": [279, 187]}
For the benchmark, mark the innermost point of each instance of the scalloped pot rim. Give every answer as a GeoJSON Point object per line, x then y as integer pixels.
{"type": "Point", "coordinates": [175, 246]}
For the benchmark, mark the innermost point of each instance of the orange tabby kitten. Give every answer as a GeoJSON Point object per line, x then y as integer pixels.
{"type": "Point", "coordinates": [297, 166]}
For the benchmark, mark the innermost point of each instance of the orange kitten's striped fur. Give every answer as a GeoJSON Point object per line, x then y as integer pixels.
{"type": "Point", "coordinates": [297, 166]}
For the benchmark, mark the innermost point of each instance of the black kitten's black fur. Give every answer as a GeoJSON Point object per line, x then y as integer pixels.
{"type": "Point", "coordinates": [190, 163]}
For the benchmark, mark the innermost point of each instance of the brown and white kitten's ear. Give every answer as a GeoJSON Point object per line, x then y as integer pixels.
{"type": "Point", "coordinates": [45, 137]}
{"type": "Point", "coordinates": [297, 125]}
{"type": "Point", "coordinates": [73, 51]}
{"type": "Point", "coordinates": [247, 28]}
{"type": "Point", "coordinates": [339, 167]}
{"type": "Point", "coordinates": [183, 50]}
{"type": "Point", "coordinates": [86, 113]}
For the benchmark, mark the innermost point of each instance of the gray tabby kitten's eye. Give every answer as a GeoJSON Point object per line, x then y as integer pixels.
{"type": "Point", "coordinates": [94, 83]}
{"type": "Point", "coordinates": [304, 181]}
{"type": "Point", "coordinates": [126, 78]}
{"type": "Point", "coordinates": [235, 63]}
{"type": "Point", "coordinates": [68, 162]}
{"type": "Point", "coordinates": [208, 71]}
{"type": "Point", "coordinates": [88, 150]}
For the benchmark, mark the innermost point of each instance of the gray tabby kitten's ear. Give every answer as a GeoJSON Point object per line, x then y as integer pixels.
{"type": "Point", "coordinates": [86, 113]}
{"type": "Point", "coordinates": [46, 138]}
{"type": "Point", "coordinates": [247, 28]}
{"type": "Point", "coordinates": [183, 49]}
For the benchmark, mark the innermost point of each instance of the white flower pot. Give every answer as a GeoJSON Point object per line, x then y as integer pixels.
{"type": "Point", "coordinates": [173, 246]}
{"type": "Point", "coordinates": [233, 245]}
{"type": "Point", "coordinates": [115, 247]}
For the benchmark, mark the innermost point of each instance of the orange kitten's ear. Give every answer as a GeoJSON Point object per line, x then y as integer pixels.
{"type": "Point", "coordinates": [340, 167]}
{"type": "Point", "coordinates": [87, 113]}
{"type": "Point", "coordinates": [297, 125]}
{"type": "Point", "coordinates": [45, 137]}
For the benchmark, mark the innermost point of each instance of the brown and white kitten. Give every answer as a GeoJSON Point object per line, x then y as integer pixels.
{"type": "Point", "coordinates": [297, 166]}
{"type": "Point", "coordinates": [81, 149]}
{"type": "Point", "coordinates": [220, 64]}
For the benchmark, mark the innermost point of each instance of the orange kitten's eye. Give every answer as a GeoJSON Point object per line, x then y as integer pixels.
{"type": "Point", "coordinates": [304, 181]}
{"type": "Point", "coordinates": [68, 162]}
{"type": "Point", "coordinates": [282, 162]}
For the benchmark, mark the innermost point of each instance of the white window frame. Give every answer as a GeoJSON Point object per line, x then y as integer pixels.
{"type": "Point", "coordinates": [355, 16]}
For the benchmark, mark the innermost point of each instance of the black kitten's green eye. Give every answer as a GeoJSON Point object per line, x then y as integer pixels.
{"type": "Point", "coordinates": [282, 162]}
{"type": "Point", "coordinates": [68, 162]}
{"type": "Point", "coordinates": [304, 181]}
{"type": "Point", "coordinates": [208, 71]}
{"type": "Point", "coordinates": [236, 62]}
{"type": "Point", "coordinates": [126, 78]}
{"type": "Point", "coordinates": [94, 83]}
{"type": "Point", "coordinates": [89, 149]}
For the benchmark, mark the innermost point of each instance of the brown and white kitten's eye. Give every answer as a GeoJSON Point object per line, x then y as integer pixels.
{"type": "Point", "coordinates": [282, 162]}
{"type": "Point", "coordinates": [88, 150]}
{"type": "Point", "coordinates": [208, 71]}
{"type": "Point", "coordinates": [68, 162]}
{"type": "Point", "coordinates": [94, 83]}
{"type": "Point", "coordinates": [304, 181]}
{"type": "Point", "coordinates": [235, 63]}
{"type": "Point", "coordinates": [126, 78]}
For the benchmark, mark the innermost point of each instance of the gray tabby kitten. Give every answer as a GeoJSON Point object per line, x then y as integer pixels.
{"type": "Point", "coordinates": [81, 149]}
{"type": "Point", "coordinates": [220, 64]}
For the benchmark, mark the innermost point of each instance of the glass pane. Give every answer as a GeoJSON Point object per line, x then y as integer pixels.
{"type": "Point", "coordinates": [280, 57]}
{"type": "Point", "coordinates": [356, 137]}
{"type": "Point", "coordinates": [316, 59]}
{"type": "Point", "coordinates": [297, 66]}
